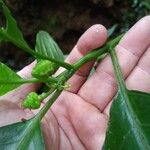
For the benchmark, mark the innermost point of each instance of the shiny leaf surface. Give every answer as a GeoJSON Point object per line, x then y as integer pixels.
{"type": "Point", "coordinates": [129, 125]}
{"type": "Point", "coordinates": [22, 136]}
{"type": "Point", "coordinates": [7, 75]}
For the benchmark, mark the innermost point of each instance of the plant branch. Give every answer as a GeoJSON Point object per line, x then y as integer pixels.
{"type": "Point", "coordinates": [97, 52]}
{"type": "Point", "coordinates": [90, 56]}
{"type": "Point", "coordinates": [32, 80]}
{"type": "Point", "coordinates": [45, 95]}
{"type": "Point", "coordinates": [19, 81]}
{"type": "Point", "coordinates": [46, 107]}
{"type": "Point", "coordinates": [115, 62]}
{"type": "Point", "coordinates": [117, 69]}
{"type": "Point", "coordinates": [64, 76]}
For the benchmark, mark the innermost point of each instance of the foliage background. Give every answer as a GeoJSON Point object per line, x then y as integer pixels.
{"type": "Point", "coordinates": [66, 20]}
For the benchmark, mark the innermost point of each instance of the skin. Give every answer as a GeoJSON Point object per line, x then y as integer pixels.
{"type": "Point", "coordinates": [79, 117]}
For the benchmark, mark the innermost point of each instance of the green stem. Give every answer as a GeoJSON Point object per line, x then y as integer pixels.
{"type": "Point", "coordinates": [45, 95]}
{"type": "Point", "coordinates": [50, 80]}
{"type": "Point", "coordinates": [91, 56]}
{"type": "Point", "coordinates": [33, 80]}
{"type": "Point", "coordinates": [97, 52]}
{"type": "Point", "coordinates": [46, 107]}
{"type": "Point", "coordinates": [60, 63]}
{"type": "Point", "coordinates": [117, 69]}
{"type": "Point", "coordinates": [118, 73]}
{"type": "Point", "coordinates": [20, 81]}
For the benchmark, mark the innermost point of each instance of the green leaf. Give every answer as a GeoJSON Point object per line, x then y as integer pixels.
{"type": "Point", "coordinates": [46, 46]}
{"type": "Point", "coordinates": [7, 75]}
{"type": "Point", "coordinates": [22, 136]}
{"type": "Point", "coordinates": [11, 32]}
{"type": "Point", "coordinates": [129, 125]}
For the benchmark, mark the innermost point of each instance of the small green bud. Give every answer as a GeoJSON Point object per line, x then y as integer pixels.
{"type": "Point", "coordinates": [43, 69]}
{"type": "Point", "coordinates": [32, 101]}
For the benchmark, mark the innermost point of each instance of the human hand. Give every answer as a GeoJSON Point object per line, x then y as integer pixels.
{"type": "Point", "coordinates": [79, 117]}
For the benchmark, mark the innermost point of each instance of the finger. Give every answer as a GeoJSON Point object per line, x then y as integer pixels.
{"type": "Point", "coordinates": [26, 71]}
{"type": "Point", "coordinates": [139, 79]}
{"type": "Point", "coordinates": [81, 121]}
{"type": "Point", "coordinates": [93, 38]}
{"type": "Point", "coordinates": [129, 51]}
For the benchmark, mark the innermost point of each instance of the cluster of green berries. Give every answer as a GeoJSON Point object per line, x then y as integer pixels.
{"type": "Point", "coordinates": [32, 101]}
{"type": "Point", "coordinates": [42, 70]}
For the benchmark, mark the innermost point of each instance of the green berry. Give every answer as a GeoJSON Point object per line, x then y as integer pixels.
{"type": "Point", "coordinates": [43, 69]}
{"type": "Point", "coordinates": [32, 101]}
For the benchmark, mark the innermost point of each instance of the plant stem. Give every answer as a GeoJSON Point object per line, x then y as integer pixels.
{"type": "Point", "coordinates": [118, 73]}
{"type": "Point", "coordinates": [97, 52]}
{"type": "Point", "coordinates": [117, 69]}
{"type": "Point", "coordinates": [50, 80]}
{"type": "Point", "coordinates": [45, 95]}
{"type": "Point", "coordinates": [46, 107]}
{"type": "Point", "coordinates": [20, 81]}
{"type": "Point", "coordinates": [24, 81]}
{"type": "Point", "coordinates": [60, 63]}
{"type": "Point", "coordinates": [90, 56]}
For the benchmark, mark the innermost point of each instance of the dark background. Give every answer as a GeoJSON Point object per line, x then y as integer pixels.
{"type": "Point", "coordinates": [66, 20]}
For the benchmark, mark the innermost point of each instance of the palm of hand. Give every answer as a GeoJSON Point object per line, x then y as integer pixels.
{"type": "Point", "coordinates": [78, 119]}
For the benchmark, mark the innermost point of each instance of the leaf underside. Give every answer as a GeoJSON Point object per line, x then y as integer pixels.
{"type": "Point", "coordinates": [46, 46]}
{"type": "Point", "coordinates": [6, 74]}
{"type": "Point", "coordinates": [12, 135]}
{"type": "Point", "coordinates": [129, 126]}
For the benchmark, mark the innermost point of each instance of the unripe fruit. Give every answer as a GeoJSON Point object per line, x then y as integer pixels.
{"type": "Point", "coordinates": [43, 69]}
{"type": "Point", "coordinates": [32, 101]}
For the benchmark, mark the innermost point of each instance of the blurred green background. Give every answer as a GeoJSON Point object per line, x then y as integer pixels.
{"type": "Point", "coordinates": [66, 20]}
